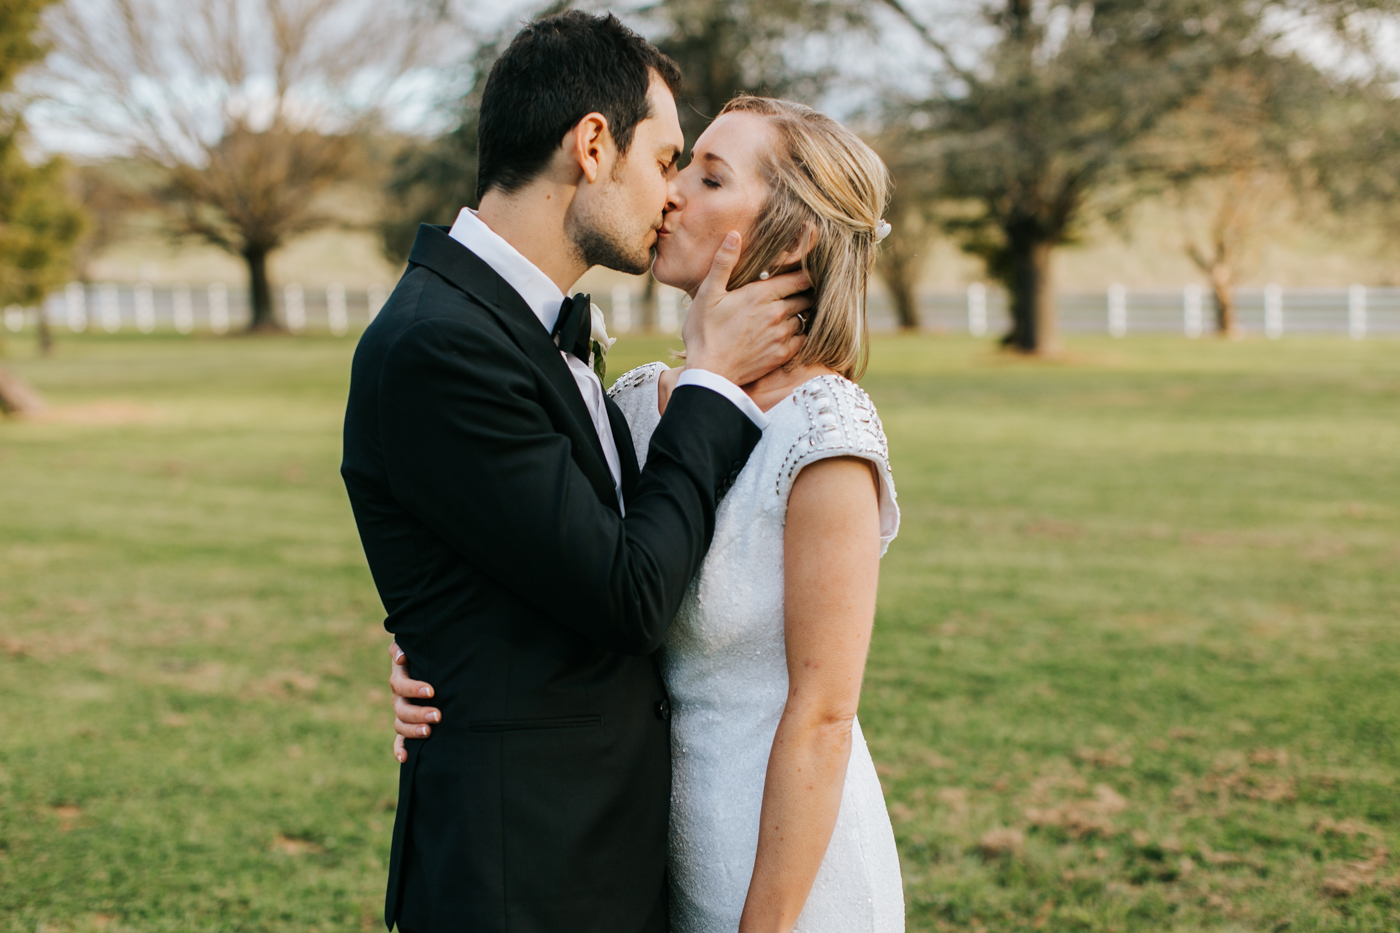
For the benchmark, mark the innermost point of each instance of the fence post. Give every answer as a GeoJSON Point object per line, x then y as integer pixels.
{"type": "Point", "coordinates": [145, 307]}
{"type": "Point", "coordinates": [218, 308]}
{"type": "Point", "coordinates": [374, 299]}
{"type": "Point", "coordinates": [75, 301]}
{"type": "Point", "coordinates": [1192, 323]}
{"type": "Point", "coordinates": [1356, 312]}
{"type": "Point", "coordinates": [622, 308]}
{"type": "Point", "coordinates": [1273, 312]}
{"type": "Point", "coordinates": [336, 317]}
{"type": "Point", "coordinates": [977, 309]}
{"type": "Point", "coordinates": [1117, 311]}
{"type": "Point", "coordinates": [294, 307]}
{"type": "Point", "coordinates": [182, 308]}
{"type": "Point", "coordinates": [667, 309]}
{"type": "Point", "coordinates": [109, 308]}
{"type": "Point", "coordinates": [14, 318]}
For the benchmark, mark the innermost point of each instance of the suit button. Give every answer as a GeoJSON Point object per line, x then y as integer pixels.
{"type": "Point", "coordinates": [663, 709]}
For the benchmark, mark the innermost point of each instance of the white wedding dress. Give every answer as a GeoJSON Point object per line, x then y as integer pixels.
{"type": "Point", "coordinates": [726, 671]}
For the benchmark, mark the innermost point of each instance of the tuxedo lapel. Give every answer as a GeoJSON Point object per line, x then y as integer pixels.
{"type": "Point", "coordinates": [437, 251]}
{"type": "Point", "coordinates": [626, 452]}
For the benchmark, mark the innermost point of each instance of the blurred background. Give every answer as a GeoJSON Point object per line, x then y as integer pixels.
{"type": "Point", "coordinates": [1134, 344]}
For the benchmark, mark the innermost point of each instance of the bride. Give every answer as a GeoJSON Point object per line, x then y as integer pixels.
{"type": "Point", "coordinates": [777, 818]}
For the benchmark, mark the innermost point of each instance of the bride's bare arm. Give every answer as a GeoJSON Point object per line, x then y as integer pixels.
{"type": "Point", "coordinates": [831, 556]}
{"type": "Point", "coordinates": [665, 383]}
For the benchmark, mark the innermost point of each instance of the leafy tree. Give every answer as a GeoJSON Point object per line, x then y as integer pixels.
{"type": "Point", "coordinates": [1060, 113]}
{"type": "Point", "coordinates": [1355, 161]}
{"type": "Point", "coordinates": [731, 47]}
{"type": "Point", "coordinates": [39, 223]}
{"type": "Point", "coordinates": [430, 180]}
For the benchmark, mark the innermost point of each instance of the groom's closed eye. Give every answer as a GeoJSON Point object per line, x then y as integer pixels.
{"type": "Point", "coordinates": [670, 159]}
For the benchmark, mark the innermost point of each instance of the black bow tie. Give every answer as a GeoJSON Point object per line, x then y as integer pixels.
{"type": "Point", "coordinates": [574, 329]}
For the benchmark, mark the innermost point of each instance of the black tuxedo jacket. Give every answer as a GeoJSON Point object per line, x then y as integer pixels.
{"type": "Point", "coordinates": [492, 528]}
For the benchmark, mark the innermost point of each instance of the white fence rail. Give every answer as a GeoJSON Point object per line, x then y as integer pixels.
{"type": "Point", "coordinates": [215, 307]}
{"type": "Point", "coordinates": [1118, 311]}
{"type": "Point", "coordinates": [1274, 312]}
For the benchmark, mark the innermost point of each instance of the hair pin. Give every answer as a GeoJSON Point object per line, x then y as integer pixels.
{"type": "Point", "coordinates": [763, 276]}
{"type": "Point", "coordinates": [882, 230]}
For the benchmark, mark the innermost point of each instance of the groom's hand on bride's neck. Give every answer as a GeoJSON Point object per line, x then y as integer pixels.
{"type": "Point", "coordinates": [743, 334]}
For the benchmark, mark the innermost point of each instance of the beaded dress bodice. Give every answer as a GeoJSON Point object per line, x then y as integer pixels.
{"type": "Point", "coordinates": [725, 668]}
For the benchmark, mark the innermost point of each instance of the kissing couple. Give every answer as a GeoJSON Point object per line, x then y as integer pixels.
{"type": "Point", "coordinates": [644, 614]}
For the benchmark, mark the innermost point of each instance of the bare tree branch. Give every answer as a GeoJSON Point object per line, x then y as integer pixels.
{"type": "Point", "coordinates": [932, 41]}
{"type": "Point", "coordinates": [251, 109]}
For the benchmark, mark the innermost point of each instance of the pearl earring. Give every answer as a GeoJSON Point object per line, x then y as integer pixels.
{"type": "Point", "coordinates": [763, 276]}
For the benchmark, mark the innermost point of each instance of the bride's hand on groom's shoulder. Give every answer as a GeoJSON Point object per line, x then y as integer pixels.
{"type": "Point", "coordinates": [410, 719]}
{"type": "Point", "coordinates": [744, 333]}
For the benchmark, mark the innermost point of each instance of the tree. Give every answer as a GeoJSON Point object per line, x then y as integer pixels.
{"type": "Point", "coordinates": [1237, 143]}
{"type": "Point", "coordinates": [912, 216]}
{"type": "Point", "coordinates": [39, 222]}
{"type": "Point", "coordinates": [252, 112]}
{"type": "Point", "coordinates": [1355, 161]}
{"type": "Point", "coordinates": [1229, 214]}
{"type": "Point", "coordinates": [731, 47]}
{"type": "Point", "coordinates": [430, 180]}
{"type": "Point", "coordinates": [1060, 117]}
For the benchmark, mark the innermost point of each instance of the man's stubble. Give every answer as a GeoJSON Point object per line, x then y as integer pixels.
{"type": "Point", "coordinates": [605, 238]}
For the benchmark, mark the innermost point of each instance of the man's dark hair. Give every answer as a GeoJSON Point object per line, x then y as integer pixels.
{"type": "Point", "coordinates": [555, 72]}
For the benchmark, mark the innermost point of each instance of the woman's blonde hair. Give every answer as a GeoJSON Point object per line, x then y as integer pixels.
{"type": "Point", "coordinates": [822, 178]}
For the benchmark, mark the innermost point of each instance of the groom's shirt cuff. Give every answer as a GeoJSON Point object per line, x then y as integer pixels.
{"type": "Point", "coordinates": [717, 383]}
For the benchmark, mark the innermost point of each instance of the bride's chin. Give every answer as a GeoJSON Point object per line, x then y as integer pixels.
{"type": "Point", "coordinates": [662, 272]}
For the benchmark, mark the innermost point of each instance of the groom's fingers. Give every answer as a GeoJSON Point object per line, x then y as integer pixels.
{"type": "Point", "coordinates": [784, 286]}
{"type": "Point", "coordinates": [400, 682]}
{"type": "Point", "coordinates": [794, 305]}
{"type": "Point", "coordinates": [411, 720]}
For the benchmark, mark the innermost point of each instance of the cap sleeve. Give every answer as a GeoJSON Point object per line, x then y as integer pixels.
{"type": "Point", "coordinates": [635, 393]}
{"type": "Point", "coordinates": [841, 421]}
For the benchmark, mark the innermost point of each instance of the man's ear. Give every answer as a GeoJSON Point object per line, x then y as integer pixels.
{"type": "Point", "coordinates": [590, 146]}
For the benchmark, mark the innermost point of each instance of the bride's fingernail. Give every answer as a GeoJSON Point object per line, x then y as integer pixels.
{"type": "Point", "coordinates": [434, 717]}
{"type": "Point", "coordinates": [422, 730]}
{"type": "Point", "coordinates": [426, 692]}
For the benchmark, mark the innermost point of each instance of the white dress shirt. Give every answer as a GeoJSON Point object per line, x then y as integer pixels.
{"type": "Point", "coordinates": [544, 298]}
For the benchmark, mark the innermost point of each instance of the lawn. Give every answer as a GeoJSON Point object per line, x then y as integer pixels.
{"type": "Point", "coordinates": [1136, 664]}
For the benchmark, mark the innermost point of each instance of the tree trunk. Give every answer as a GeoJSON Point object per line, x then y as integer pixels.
{"type": "Point", "coordinates": [259, 291]}
{"type": "Point", "coordinates": [899, 272]}
{"type": "Point", "coordinates": [45, 332]}
{"type": "Point", "coordinates": [1032, 302]}
{"type": "Point", "coordinates": [1222, 287]}
{"type": "Point", "coordinates": [17, 397]}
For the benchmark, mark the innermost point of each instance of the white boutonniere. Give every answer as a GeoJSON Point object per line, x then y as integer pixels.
{"type": "Point", "coordinates": [600, 345]}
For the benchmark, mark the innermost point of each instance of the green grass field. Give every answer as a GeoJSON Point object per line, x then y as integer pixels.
{"type": "Point", "coordinates": [1136, 664]}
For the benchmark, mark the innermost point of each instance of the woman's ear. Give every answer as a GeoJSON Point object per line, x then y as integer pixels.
{"type": "Point", "coordinates": [806, 243]}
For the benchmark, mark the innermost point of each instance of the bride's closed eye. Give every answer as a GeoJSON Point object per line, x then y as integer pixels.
{"type": "Point", "coordinates": [710, 182]}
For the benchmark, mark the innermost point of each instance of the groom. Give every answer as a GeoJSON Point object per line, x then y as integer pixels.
{"type": "Point", "coordinates": [528, 568]}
